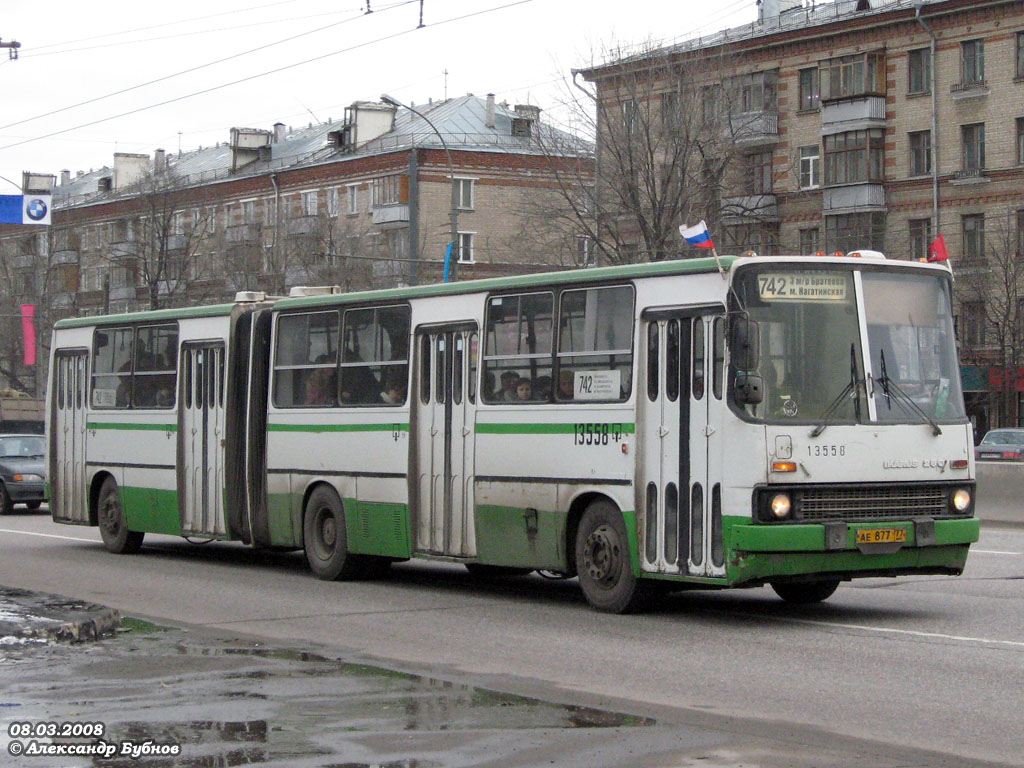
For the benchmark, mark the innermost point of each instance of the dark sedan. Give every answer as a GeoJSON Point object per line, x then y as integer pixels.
{"type": "Point", "coordinates": [1001, 445]}
{"type": "Point", "coordinates": [22, 471]}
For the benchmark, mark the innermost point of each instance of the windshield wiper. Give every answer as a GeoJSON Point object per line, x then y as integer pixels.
{"type": "Point", "coordinates": [892, 391]}
{"type": "Point", "coordinates": [853, 387]}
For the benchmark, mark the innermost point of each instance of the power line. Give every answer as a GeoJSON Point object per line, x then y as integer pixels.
{"type": "Point", "coordinates": [188, 71]}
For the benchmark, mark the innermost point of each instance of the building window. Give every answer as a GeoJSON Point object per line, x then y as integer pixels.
{"type": "Point", "coordinates": [919, 71]}
{"type": "Point", "coordinates": [388, 190]}
{"type": "Point", "coordinates": [249, 211]}
{"type": "Point", "coordinates": [584, 251]}
{"type": "Point", "coordinates": [629, 115]}
{"type": "Point", "coordinates": [809, 95]}
{"type": "Point", "coordinates": [464, 193]}
{"type": "Point", "coordinates": [333, 202]}
{"type": "Point", "coordinates": [973, 232]}
{"type": "Point", "coordinates": [861, 74]}
{"type": "Point", "coordinates": [920, 237]}
{"type": "Point", "coordinates": [754, 92]}
{"type": "Point", "coordinates": [353, 199]}
{"type": "Point", "coordinates": [757, 173]}
{"type": "Point", "coordinates": [974, 323]}
{"type": "Point", "coordinates": [920, 153]}
{"type": "Point", "coordinates": [853, 231]}
{"type": "Point", "coordinates": [762, 239]}
{"type": "Point", "coordinates": [466, 255]}
{"type": "Point", "coordinates": [309, 203]}
{"type": "Point", "coordinates": [810, 241]}
{"type": "Point", "coordinates": [1020, 54]}
{"type": "Point", "coordinates": [1020, 234]}
{"type": "Point", "coordinates": [973, 140]}
{"type": "Point", "coordinates": [972, 62]}
{"type": "Point", "coordinates": [1020, 141]}
{"type": "Point", "coordinates": [270, 211]}
{"type": "Point", "coordinates": [810, 167]}
{"type": "Point", "coordinates": [854, 156]}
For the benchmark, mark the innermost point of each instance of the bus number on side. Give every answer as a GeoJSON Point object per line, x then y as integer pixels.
{"type": "Point", "coordinates": [595, 433]}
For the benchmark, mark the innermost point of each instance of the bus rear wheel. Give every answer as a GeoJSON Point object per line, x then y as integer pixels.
{"type": "Point", "coordinates": [603, 560]}
{"type": "Point", "coordinates": [803, 592]}
{"type": "Point", "coordinates": [323, 534]}
{"type": "Point", "coordinates": [113, 525]}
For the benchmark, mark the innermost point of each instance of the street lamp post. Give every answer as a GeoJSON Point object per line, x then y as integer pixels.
{"type": "Point", "coordinates": [453, 214]}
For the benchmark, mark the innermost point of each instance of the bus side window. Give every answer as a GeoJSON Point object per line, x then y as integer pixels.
{"type": "Point", "coordinates": [718, 358]}
{"type": "Point", "coordinates": [698, 358]}
{"type": "Point", "coordinates": [424, 369]}
{"type": "Point", "coordinates": [112, 367]}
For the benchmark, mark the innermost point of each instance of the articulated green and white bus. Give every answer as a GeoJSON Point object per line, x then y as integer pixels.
{"type": "Point", "coordinates": [792, 421]}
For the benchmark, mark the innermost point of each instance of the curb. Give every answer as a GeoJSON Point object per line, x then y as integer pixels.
{"type": "Point", "coordinates": [36, 618]}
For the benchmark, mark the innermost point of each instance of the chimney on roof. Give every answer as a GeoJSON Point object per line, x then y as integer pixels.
{"type": "Point", "coordinates": [245, 146]}
{"type": "Point", "coordinates": [278, 133]}
{"type": "Point", "coordinates": [37, 183]}
{"type": "Point", "coordinates": [772, 9]}
{"type": "Point", "coordinates": [65, 177]}
{"type": "Point", "coordinates": [159, 160]}
{"type": "Point", "coordinates": [528, 111]}
{"type": "Point", "coordinates": [129, 168]}
{"type": "Point", "coordinates": [490, 111]}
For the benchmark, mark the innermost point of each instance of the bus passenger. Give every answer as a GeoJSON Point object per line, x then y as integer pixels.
{"type": "Point", "coordinates": [509, 380]}
{"type": "Point", "coordinates": [320, 386]}
{"type": "Point", "coordinates": [394, 387]}
{"type": "Point", "coordinates": [524, 390]}
{"type": "Point", "coordinates": [565, 384]}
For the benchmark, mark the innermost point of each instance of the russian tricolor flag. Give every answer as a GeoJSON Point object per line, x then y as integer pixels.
{"type": "Point", "coordinates": [697, 235]}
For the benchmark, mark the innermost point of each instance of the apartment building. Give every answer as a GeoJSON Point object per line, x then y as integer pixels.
{"type": "Point", "coordinates": [874, 124]}
{"type": "Point", "coordinates": [364, 202]}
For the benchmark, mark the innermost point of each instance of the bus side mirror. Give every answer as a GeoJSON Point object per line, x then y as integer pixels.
{"type": "Point", "coordinates": [745, 344]}
{"type": "Point", "coordinates": [749, 389]}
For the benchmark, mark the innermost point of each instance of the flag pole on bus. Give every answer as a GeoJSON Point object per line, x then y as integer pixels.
{"type": "Point", "coordinates": [699, 237]}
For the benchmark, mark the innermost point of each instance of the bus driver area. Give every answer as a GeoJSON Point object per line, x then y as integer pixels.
{"type": "Point", "coordinates": [645, 427]}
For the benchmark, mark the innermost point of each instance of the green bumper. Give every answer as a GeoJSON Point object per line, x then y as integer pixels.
{"type": "Point", "coordinates": [759, 553]}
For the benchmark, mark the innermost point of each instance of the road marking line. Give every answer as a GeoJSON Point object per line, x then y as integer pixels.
{"type": "Point", "coordinates": [47, 535]}
{"type": "Point", "coordinates": [992, 552]}
{"type": "Point", "coordinates": [911, 632]}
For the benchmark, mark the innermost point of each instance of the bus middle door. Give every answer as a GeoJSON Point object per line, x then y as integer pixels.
{"type": "Point", "coordinates": [201, 439]}
{"type": "Point", "coordinates": [446, 414]}
{"type": "Point", "coordinates": [69, 406]}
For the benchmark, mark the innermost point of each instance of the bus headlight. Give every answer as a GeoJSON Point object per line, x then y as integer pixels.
{"type": "Point", "coordinates": [960, 500]}
{"type": "Point", "coordinates": [781, 505]}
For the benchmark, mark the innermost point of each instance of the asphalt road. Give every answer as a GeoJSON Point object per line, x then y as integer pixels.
{"type": "Point", "coordinates": [933, 664]}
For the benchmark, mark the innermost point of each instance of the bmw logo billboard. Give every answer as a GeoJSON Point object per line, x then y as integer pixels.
{"type": "Point", "coordinates": [36, 208]}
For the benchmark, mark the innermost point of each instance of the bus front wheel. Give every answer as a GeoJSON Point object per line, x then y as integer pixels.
{"type": "Point", "coordinates": [323, 534]}
{"type": "Point", "coordinates": [804, 592]}
{"type": "Point", "coordinates": [113, 525]}
{"type": "Point", "coordinates": [603, 560]}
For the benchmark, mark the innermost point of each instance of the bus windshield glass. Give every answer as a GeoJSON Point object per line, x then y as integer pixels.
{"type": "Point", "coordinates": [812, 362]}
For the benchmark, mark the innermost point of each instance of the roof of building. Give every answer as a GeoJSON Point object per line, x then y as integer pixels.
{"type": "Point", "coordinates": [812, 14]}
{"type": "Point", "coordinates": [462, 121]}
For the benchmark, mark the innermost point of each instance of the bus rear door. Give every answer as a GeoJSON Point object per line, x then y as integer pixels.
{"type": "Point", "coordinates": [444, 444]}
{"type": "Point", "coordinates": [68, 502]}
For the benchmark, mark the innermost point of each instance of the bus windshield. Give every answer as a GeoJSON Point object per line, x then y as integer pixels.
{"type": "Point", "coordinates": [813, 363]}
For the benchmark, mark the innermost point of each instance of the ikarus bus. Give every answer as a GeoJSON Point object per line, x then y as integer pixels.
{"type": "Point", "coordinates": [792, 421]}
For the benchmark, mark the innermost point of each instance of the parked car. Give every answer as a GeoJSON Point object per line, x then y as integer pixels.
{"type": "Point", "coordinates": [22, 471]}
{"type": "Point", "coordinates": [1001, 445]}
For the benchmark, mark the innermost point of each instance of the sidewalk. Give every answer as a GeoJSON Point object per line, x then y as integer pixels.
{"type": "Point", "coordinates": [32, 617]}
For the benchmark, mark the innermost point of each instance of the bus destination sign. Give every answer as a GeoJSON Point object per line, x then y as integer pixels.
{"type": "Point", "coordinates": [797, 286]}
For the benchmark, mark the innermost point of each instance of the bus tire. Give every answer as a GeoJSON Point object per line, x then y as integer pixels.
{"type": "Point", "coordinates": [113, 525]}
{"type": "Point", "coordinates": [33, 504]}
{"type": "Point", "coordinates": [804, 592]}
{"type": "Point", "coordinates": [323, 534]}
{"type": "Point", "coordinates": [6, 505]}
{"type": "Point", "coordinates": [483, 571]}
{"type": "Point", "coordinates": [603, 560]}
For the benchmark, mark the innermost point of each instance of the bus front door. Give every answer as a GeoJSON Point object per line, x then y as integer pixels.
{"type": "Point", "coordinates": [201, 439]}
{"type": "Point", "coordinates": [680, 485]}
{"type": "Point", "coordinates": [68, 502]}
{"type": "Point", "coordinates": [444, 463]}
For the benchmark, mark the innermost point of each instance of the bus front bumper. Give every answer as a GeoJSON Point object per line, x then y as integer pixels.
{"type": "Point", "coordinates": [762, 553]}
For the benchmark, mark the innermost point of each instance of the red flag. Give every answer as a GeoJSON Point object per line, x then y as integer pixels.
{"type": "Point", "coordinates": [937, 250]}
{"type": "Point", "coordinates": [28, 332]}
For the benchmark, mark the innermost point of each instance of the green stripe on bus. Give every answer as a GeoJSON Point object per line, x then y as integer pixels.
{"type": "Point", "coordinates": [116, 425]}
{"type": "Point", "coordinates": [337, 427]}
{"type": "Point", "coordinates": [542, 429]}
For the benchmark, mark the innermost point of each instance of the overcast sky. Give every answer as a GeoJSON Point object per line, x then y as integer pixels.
{"type": "Point", "coordinates": [329, 53]}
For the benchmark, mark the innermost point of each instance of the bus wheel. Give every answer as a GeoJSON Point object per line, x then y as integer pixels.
{"type": "Point", "coordinates": [483, 571]}
{"type": "Point", "coordinates": [6, 505]}
{"type": "Point", "coordinates": [33, 504]}
{"type": "Point", "coordinates": [603, 562]}
{"type": "Point", "coordinates": [113, 526]}
{"type": "Point", "coordinates": [805, 591]}
{"type": "Point", "coordinates": [323, 533]}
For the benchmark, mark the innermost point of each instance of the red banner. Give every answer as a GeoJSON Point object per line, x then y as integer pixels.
{"type": "Point", "coordinates": [28, 332]}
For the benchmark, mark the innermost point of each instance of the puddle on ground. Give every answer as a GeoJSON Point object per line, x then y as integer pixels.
{"type": "Point", "coordinates": [238, 704]}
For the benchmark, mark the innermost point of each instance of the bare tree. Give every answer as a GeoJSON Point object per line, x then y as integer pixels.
{"type": "Point", "coordinates": [991, 327]}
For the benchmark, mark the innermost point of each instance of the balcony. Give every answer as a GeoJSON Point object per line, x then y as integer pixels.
{"type": "Point", "coordinates": [243, 234]}
{"type": "Point", "coordinates": [68, 256]}
{"type": "Point", "coordinates": [166, 287]}
{"type": "Point", "coordinates": [62, 299]}
{"type": "Point", "coordinates": [176, 242]}
{"type": "Point", "coordinates": [303, 226]}
{"type": "Point", "coordinates": [122, 292]}
{"type": "Point", "coordinates": [852, 114]}
{"type": "Point", "coordinates": [968, 177]}
{"type": "Point", "coordinates": [744, 209]}
{"type": "Point", "coordinates": [123, 249]}
{"type": "Point", "coordinates": [970, 90]}
{"type": "Point", "coordinates": [24, 261]}
{"type": "Point", "coordinates": [390, 214]}
{"type": "Point", "coordinates": [754, 128]}
{"type": "Point", "coordinates": [854, 198]}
